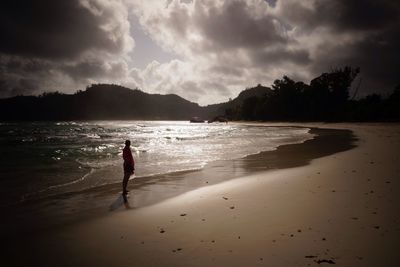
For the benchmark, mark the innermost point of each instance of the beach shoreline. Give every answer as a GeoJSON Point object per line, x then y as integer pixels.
{"type": "Point", "coordinates": [73, 207]}
{"type": "Point", "coordinates": [340, 208]}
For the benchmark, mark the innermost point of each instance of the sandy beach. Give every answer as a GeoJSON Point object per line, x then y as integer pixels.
{"type": "Point", "coordinates": [337, 209]}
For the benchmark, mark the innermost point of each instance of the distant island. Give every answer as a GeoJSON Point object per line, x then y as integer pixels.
{"type": "Point", "coordinates": [326, 98]}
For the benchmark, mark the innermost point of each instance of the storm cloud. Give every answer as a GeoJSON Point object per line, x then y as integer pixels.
{"type": "Point", "coordinates": [350, 32]}
{"type": "Point", "coordinates": [220, 46]}
{"type": "Point", "coordinates": [60, 29]}
{"type": "Point", "coordinates": [58, 45]}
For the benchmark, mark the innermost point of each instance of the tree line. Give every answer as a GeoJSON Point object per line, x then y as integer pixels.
{"type": "Point", "coordinates": [326, 98]}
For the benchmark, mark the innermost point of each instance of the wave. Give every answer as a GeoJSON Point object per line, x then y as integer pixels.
{"type": "Point", "coordinates": [40, 193]}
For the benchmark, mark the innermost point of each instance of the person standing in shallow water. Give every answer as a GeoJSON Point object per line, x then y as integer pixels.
{"type": "Point", "coordinates": [129, 165]}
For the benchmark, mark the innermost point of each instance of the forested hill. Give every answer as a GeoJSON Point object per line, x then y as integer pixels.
{"type": "Point", "coordinates": [226, 109]}
{"type": "Point", "coordinates": [326, 98]}
{"type": "Point", "coordinates": [98, 102]}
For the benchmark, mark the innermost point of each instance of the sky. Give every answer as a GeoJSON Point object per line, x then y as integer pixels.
{"type": "Point", "coordinates": [206, 51]}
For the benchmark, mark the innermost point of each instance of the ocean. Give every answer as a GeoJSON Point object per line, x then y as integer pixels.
{"type": "Point", "coordinates": [40, 159]}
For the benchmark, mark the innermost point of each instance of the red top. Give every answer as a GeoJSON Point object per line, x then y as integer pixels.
{"type": "Point", "coordinates": [128, 158]}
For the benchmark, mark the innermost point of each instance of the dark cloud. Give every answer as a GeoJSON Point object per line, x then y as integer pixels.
{"type": "Point", "coordinates": [84, 69]}
{"type": "Point", "coordinates": [47, 45]}
{"type": "Point", "coordinates": [53, 29]}
{"type": "Point", "coordinates": [226, 70]}
{"type": "Point", "coordinates": [233, 25]}
{"type": "Point", "coordinates": [95, 69]}
{"type": "Point", "coordinates": [373, 30]}
{"type": "Point", "coordinates": [379, 59]}
{"type": "Point", "coordinates": [281, 55]}
{"type": "Point", "coordinates": [341, 15]}
{"type": "Point", "coordinates": [22, 75]}
{"type": "Point", "coordinates": [357, 14]}
{"type": "Point", "coordinates": [11, 85]}
{"type": "Point", "coordinates": [271, 2]}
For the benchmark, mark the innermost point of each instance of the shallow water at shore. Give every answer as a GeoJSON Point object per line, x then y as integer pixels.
{"type": "Point", "coordinates": [41, 159]}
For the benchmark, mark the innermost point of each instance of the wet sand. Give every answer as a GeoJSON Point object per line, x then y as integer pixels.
{"type": "Point", "coordinates": [341, 208]}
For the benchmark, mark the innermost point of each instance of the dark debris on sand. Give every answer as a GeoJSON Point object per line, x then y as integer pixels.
{"type": "Point", "coordinates": [325, 261]}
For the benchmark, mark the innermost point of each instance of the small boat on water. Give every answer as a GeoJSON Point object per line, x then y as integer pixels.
{"type": "Point", "coordinates": [218, 119]}
{"type": "Point", "coordinates": [196, 120]}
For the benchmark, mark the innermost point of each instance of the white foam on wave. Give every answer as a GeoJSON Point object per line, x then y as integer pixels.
{"type": "Point", "coordinates": [48, 189]}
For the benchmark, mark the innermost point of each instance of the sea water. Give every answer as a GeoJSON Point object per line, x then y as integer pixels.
{"type": "Point", "coordinates": [45, 158]}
